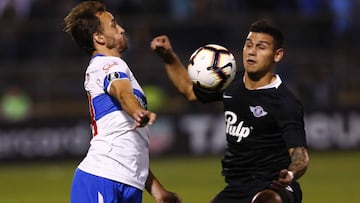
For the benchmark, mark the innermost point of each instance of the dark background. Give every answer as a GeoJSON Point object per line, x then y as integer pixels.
{"type": "Point", "coordinates": [44, 111]}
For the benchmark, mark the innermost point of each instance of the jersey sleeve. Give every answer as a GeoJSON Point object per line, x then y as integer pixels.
{"type": "Point", "coordinates": [206, 97]}
{"type": "Point", "coordinates": [291, 122]}
{"type": "Point", "coordinates": [118, 71]}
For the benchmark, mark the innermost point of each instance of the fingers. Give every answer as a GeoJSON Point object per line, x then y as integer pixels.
{"type": "Point", "coordinates": [176, 198]}
{"type": "Point", "coordinates": [143, 118]}
{"type": "Point", "coordinates": [160, 43]}
{"type": "Point", "coordinates": [283, 174]}
{"type": "Point", "coordinates": [170, 197]}
{"type": "Point", "coordinates": [285, 178]}
{"type": "Point", "coordinates": [151, 118]}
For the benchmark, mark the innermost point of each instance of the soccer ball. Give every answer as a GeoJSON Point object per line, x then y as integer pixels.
{"type": "Point", "coordinates": [212, 67]}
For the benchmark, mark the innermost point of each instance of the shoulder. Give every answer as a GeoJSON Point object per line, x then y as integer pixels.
{"type": "Point", "coordinates": [288, 99]}
{"type": "Point", "coordinates": [287, 94]}
{"type": "Point", "coordinates": [107, 64]}
{"type": "Point", "coordinates": [238, 81]}
{"type": "Point", "coordinates": [239, 75]}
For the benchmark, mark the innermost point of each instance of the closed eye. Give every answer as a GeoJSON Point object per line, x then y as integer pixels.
{"type": "Point", "coordinates": [261, 46]}
{"type": "Point", "coordinates": [113, 23]}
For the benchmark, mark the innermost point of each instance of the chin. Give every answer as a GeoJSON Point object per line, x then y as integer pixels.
{"type": "Point", "coordinates": [122, 49]}
{"type": "Point", "coordinates": [251, 71]}
{"type": "Point", "coordinates": [255, 75]}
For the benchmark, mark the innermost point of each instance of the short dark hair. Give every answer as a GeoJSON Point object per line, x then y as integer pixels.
{"type": "Point", "coordinates": [81, 23]}
{"type": "Point", "coordinates": [264, 26]}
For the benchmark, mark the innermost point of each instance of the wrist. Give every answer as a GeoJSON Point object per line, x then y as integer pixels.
{"type": "Point", "coordinates": [169, 58]}
{"type": "Point", "coordinates": [291, 174]}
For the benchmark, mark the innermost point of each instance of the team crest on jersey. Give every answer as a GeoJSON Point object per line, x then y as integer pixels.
{"type": "Point", "coordinates": [258, 111]}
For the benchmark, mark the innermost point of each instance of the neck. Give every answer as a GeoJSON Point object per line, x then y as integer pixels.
{"type": "Point", "coordinates": [253, 81]}
{"type": "Point", "coordinates": [106, 53]}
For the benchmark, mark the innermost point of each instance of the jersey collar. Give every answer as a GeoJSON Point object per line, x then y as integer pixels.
{"type": "Point", "coordinates": [277, 82]}
{"type": "Point", "coordinates": [97, 55]}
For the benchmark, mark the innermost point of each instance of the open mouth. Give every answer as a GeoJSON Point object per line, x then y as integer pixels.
{"type": "Point", "coordinates": [250, 61]}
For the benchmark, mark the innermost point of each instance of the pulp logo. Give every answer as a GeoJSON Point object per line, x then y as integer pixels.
{"type": "Point", "coordinates": [238, 130]}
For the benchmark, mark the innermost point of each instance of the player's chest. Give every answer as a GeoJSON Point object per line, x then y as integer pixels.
{"type": "Point", "coordinates": [256, 111]}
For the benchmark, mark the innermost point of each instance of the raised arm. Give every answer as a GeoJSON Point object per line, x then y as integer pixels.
{"type": "Point", "coordinates": [122, 91]}
{"type": "Point", "coordinates": [176, 71]}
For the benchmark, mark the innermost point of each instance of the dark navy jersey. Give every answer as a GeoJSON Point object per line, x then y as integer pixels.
{"type": "Point", "coordinates": [261, 125]}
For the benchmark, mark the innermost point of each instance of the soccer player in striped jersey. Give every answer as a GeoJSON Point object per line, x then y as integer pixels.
{"type": "Point", "coordinates": [266, 145]}
{"type": "Point", "coordinates": [116, 167]}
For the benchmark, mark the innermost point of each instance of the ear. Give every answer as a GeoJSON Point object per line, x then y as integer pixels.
{"type": "Point", "coordinates": [279, 53]}
{"type": "Point", "coordinates": [98, 38]}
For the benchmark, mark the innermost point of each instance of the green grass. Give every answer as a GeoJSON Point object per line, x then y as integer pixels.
{"type": "Point", "coordinates": [332, 177]}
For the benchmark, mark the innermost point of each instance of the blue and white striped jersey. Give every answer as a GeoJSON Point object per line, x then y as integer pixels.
{"type": "Point", "coordinates": [116, 152]}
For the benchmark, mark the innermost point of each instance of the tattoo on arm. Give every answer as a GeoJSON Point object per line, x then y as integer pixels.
{"type": "Point", "coordinates": [299, 161]}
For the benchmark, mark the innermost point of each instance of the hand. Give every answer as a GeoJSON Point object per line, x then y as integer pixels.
{"type": "Point", "coordinates": [285, 179]}
{"type": "Point", "coordinates": [143, 117]}
{"type": "Point", "coordinates": [162, 46]}
{"type": "Point", "coordinates": [168, 197]}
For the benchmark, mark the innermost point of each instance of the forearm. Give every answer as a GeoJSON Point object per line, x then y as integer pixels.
{"type": "Point", "coordinates": [130, 104]}
{"type": "Point", "coordinates": [179, 76]}
{"type": "Point", "coordinates": [122, 91]}
{"type": "Point", "coordinates": [299, 161]}
{"type": "Point", "coordinates": [176, 71]}
{"type": "Point", "coordinates": [152, 185]}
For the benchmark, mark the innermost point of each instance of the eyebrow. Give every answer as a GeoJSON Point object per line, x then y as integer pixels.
{"type": "Point", "coordinates": [261, 42]}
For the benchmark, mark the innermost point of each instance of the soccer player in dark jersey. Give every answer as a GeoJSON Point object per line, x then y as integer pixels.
{"type": "Point", "coordinates": [266, 145]}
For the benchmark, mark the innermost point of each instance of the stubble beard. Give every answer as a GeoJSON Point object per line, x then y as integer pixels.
{"type": "Point", "coordinates": [124, 46]}
{"type": "Point", "coordinates": [121, 47]}
{"type": "Point", "coordinates": [256, 75]}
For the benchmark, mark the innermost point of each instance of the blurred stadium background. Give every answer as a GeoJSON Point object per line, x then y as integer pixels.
{"type": "Point", "coordinates": [43, 108]}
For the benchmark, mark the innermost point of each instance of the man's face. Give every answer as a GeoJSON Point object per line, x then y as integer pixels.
{"type": "Point", "coordinates": [113, 33]}
{"type": "Point", "coordinates": [259, 54]}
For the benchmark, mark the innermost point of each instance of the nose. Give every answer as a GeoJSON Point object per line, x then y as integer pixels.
{"type": "Point", "coordinates": [252, 51]}
{"type": "Point", "coordinates": [121, 29]}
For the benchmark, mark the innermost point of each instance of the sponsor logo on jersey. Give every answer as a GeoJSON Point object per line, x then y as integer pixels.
{"type": "Point", "coordinates": [240, 131]}
{"type": "Point", "coordinates": [258, 111]}
{"type": "Point", "coordinates": [107, 67]}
